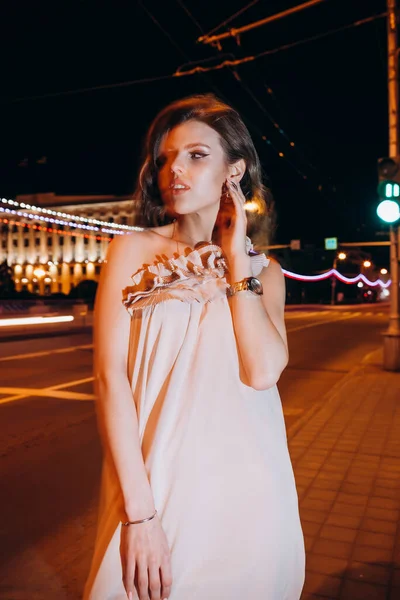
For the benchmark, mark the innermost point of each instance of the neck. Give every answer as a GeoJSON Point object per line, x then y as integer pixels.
{"type": "Point", "coordinates": [192, 230]}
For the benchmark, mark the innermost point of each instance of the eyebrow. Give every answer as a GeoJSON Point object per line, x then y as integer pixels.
{"type": "Point", "coordinates": [197, 144]}
{"type": "Point", "coordinates": [188, 146]}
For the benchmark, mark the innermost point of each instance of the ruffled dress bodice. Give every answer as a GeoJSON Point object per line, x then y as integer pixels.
{"type": "Point", "coordinates": [199, 276]}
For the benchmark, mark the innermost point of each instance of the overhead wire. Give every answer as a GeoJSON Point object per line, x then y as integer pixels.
{"type": "Point", "coordinates": [247, 59]}
{"type": "Point", "coordinates": [231, 64]}
{"type": "Point", "coordinates": [236, 33]}
{"type": "Point", "coordinates": [228, 20]}
{"type": "Point", "coordinates": [95, 88]}
{"type": "Point", "coordinates": [254, 98]}
{"type": "Point", "coordinates": [216, 89]}
{"type": "Point", "coordinates": [194, 71]}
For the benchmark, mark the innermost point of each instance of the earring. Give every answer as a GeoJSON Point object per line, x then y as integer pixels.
{"type": "Point", "coordinates": [225, 194]}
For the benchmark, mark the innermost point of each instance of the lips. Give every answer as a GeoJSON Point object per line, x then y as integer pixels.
{"type": "Point", "coordinates": [178, 186]}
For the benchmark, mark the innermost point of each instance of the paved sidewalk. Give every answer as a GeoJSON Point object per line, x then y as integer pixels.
{"type": "Point", "coordinates": [346, 459]}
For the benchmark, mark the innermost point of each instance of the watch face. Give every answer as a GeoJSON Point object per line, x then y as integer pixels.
{"type": "Point", "coordinates": [255, 285]}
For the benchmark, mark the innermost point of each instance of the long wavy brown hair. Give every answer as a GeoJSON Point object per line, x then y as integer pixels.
{"type": "Point", "coordinates": [236, 143]}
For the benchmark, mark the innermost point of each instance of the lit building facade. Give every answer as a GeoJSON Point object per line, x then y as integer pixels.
{"type": "Point", "coordinates": [48, 262]}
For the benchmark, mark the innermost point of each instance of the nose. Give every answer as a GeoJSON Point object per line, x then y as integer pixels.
{"type": "Point", "coordinates": [177, 167]}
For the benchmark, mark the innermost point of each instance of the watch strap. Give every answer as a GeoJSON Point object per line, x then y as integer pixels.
{"type": "Point", "coordinates": [243, 286]}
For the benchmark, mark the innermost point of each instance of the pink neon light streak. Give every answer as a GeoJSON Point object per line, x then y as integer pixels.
{"type": "Point", "coordinates": [339, 276]}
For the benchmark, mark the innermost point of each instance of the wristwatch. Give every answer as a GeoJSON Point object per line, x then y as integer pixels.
{"type": "Point", "coordinates": [250, 284]}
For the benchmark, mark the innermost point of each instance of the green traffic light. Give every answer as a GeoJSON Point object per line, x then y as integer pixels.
{"type": "Point", "coordinates": [388, 190]}
{"type": "Point", "coordinates": [388, 211]}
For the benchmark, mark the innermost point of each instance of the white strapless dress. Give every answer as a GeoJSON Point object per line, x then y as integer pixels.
{"type": "Point", "coordinates": [215, 449]}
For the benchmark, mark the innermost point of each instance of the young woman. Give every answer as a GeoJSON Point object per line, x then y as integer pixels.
{"type": "Point", "coordinates": [198, 496]}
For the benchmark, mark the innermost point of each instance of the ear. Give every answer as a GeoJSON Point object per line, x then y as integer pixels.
{"type": "Point", "coordinates": [237, 170]}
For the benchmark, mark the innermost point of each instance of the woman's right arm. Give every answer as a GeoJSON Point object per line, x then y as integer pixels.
{"type": "Point", "coordinates": [144, 549]}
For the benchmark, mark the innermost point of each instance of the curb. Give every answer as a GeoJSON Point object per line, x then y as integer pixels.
{"type": "Point", "coordinates": [336, 307]}
{"type": "Point", "coordinates": [372, 358]}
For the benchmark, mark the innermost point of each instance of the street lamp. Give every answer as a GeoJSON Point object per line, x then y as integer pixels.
{"type": "Point", "coordinates": [383, 271]}
{"type": "Point", "coordinates": [252, 206]}
{"type": "Point", "coordinates": [367, 264]}
{"type": "Point", "coordinates": [39, 273]}
{"type": "Point", "coordinates": [340, 256]}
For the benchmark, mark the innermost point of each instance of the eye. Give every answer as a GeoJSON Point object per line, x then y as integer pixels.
{"type": "Point", "coordinates": [197, 155]}
{"type": "Point", "coordinates": [160, 161]}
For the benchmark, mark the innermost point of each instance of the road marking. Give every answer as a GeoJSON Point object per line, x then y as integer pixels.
{"type": "Point", "coordinates": [70, 383]}
{"type": "Point", "coordinates": [26, 392]}
{"type": "Point", "coordinates": [344, 318]}
{"type": "Point", "coordinates": [19, 393]}
{"type": "Point", "coordinates": [305, 315]}
{"type": "Point", "coordinates": [45, 353]}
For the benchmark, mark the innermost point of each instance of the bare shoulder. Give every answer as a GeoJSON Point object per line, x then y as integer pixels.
{"type": "Point", "coordinates": [273, 280]}
{"type": "Point", "coordinates": [273, 271]}
{"type": "Point", "coordinates": [126, 253]}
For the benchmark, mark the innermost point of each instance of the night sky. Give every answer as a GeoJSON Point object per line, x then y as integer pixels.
{"type": "Point", "coordinates": [328, 96]}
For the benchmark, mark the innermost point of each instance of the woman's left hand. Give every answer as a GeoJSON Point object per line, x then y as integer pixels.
{"type": "Point", "coordinates": [232, 222]}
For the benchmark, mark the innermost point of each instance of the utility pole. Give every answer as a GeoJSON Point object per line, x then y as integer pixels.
{"type": "Point", "coordinates": [391, 346]}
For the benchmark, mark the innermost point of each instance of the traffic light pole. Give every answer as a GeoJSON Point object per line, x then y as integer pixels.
{"type": "Point", "coordinates": [391, 346]}
{"type": "Point", "coordinates": [394, 270]}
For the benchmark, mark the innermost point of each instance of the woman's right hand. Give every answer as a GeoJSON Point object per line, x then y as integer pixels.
{"type": "Point", "coordinates": [146, 562]}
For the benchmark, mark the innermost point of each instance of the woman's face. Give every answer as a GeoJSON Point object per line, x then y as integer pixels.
{"type": "Point", "coordinates": [191, 168]}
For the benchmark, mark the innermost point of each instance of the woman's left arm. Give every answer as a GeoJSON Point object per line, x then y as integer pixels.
{"type": "Point", "coordinates": [259, 324]}
{"type": "Point", "coordinates": [258, 320]}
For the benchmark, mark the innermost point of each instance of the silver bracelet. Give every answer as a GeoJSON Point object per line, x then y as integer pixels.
{"type": "Point", "coordinates": [140, 521]}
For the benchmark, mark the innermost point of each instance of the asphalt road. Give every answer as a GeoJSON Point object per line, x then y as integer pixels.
{"type": "Point", "coordinates": [50, 455]}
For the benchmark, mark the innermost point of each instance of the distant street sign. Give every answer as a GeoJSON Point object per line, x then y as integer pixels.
{"type": "Point", "coordinates": [331, 243]}
{"type": "Point", "coordinates": [295, 245]}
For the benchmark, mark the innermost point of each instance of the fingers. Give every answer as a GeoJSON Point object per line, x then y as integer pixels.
{"type": "Point", "coordinates": [142, 580]}
{"type": "Point", "coordinates": [128, 574]}
{"type": "Point", "coordinates": [129, 580]}
{"type": "Point", "coordinates": [166, 579]}
{"type": "Point", "coordinates": [236, 192]}
{"type": "Point", "coordinates": [238, 199]}
{"type": "Point", "coordinates": [154, 581]}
